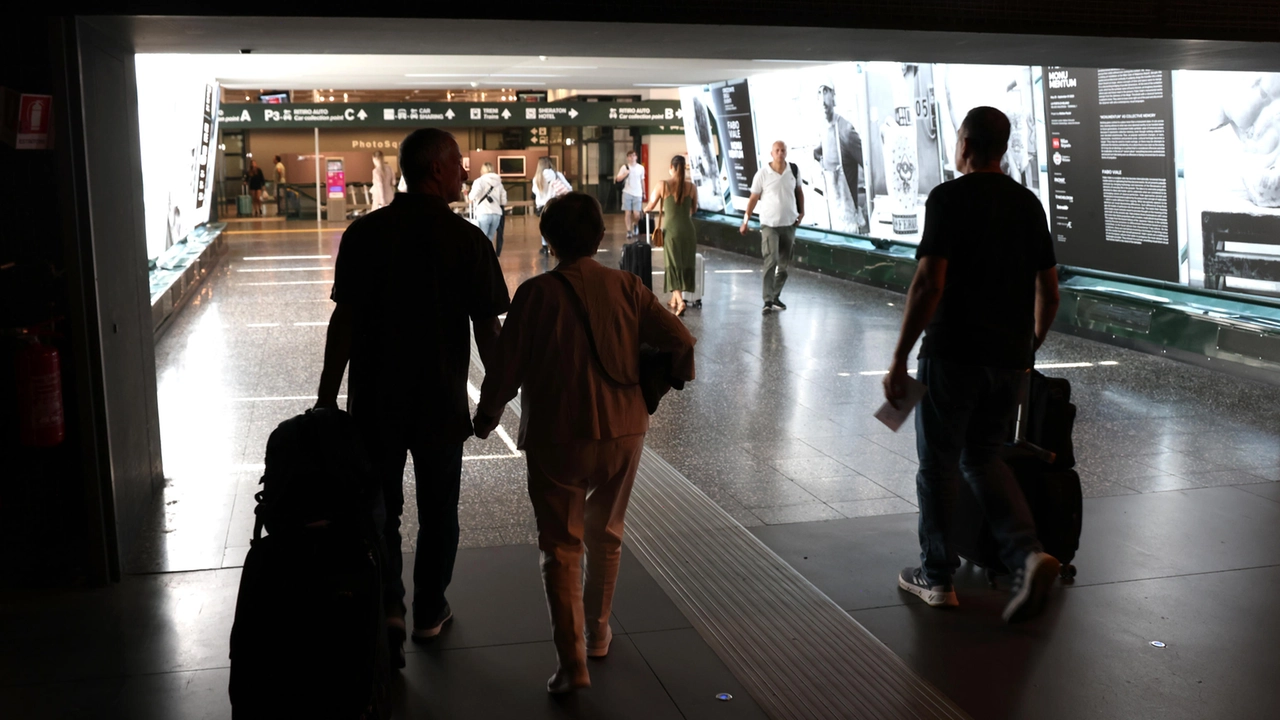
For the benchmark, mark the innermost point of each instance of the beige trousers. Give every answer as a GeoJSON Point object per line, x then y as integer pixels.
{"type": "Point", "coordinates": [580, 492]}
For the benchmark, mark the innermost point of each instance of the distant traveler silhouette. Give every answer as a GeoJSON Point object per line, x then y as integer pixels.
{"type": "Point", "coordinates": [582, 433]}
{"type": "Point", "coordinates": [408, 278]}
{"type": "Point", "coordinates": [984, 294]}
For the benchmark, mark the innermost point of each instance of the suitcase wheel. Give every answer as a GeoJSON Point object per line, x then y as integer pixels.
{"type": "Point", "coordinates": [1068, 572]}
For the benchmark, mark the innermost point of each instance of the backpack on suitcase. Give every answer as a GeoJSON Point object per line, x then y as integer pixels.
{"type": "Point", "coordinates": [309, 637]}
{"type": "Point", "coordinates": [1042, 460]}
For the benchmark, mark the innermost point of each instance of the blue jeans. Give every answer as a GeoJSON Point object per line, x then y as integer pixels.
{"type": "Point", "coordinates": [961, 424]}
{"type": "Point", "coordinates": [489, 226]}
{"type": "Point", "coordinates": [437, 471]}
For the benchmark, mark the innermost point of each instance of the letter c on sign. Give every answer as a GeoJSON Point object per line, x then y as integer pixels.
{"type": "Point", "coordinates": [349, 114]}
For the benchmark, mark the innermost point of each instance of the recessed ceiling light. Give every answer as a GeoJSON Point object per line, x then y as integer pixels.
{"type": "Point", "coordinates": [330, 98]}
{"type": "Point", "coordinates": [475, 84]}
{"type": "Point", "coordinates": [543, 58]}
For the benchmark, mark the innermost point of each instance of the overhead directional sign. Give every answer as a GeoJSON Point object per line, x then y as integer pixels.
{"type": "Point", "coordinates": [652, 113]}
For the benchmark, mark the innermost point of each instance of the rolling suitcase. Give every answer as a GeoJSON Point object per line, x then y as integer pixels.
{"type": "Point", "coordinates": [694, 297]}
{"type": "Point", "coordinates": [244, 205]}
{"type": "Point", "coordinates": [310, 636]}
{"type": "Point", "coordinates": [637, 258]}
{"type": "Point", "coordinates": [1042, 460]}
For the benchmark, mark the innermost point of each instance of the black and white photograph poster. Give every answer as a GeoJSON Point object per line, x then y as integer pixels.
{"type": "Point", "coordinates": [905, 152]}
{"type": "Point", "coordinates": [178, 110]}
{"type": "Point", "coordinates": [706, 170]}
{"type": "Point", "coordinates": [731, 108]}
{"type": "Point", "coordinates": [821, 115]}
{"type": "Point", "coordinates": [1229, 138]}
{"type": "Point", "coordinates": [1007, 88]}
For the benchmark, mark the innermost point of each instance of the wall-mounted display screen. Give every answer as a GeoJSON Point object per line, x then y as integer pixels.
{"type": "Point", "coordinates": [177, 121]}
{"type": "Point", "coordinates": [1229, 138]}
{"type": "Point", "coordinates": [1111, 170]}
{"type": "Point", "coordinates": [821, 116]}
{"type": "Point", "coordinates": [511, 166]}
{"type": "Point", "coordinates": [1171, 176]}
{"type": "Point", "coordinates": [706, 165]}
{"type": "Point", "coordinates": [274, 98]}
{"type": "Point", "coordinates": [731, 108]}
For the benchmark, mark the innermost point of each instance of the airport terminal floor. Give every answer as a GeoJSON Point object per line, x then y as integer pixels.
{"type": "Point", "coordinates": [769, 465]}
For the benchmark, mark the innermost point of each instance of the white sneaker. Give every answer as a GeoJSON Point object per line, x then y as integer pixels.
{"type": "Point", "coordinates": [912, 580]}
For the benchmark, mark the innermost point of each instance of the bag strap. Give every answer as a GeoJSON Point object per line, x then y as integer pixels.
{"type": "Point", "coordinates": [581, 309]}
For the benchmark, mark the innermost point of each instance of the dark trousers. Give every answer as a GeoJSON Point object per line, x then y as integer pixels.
{"type": "Point", "coordinates": [437, 471]}
{"type": "Point", "coordinates": [502, 226]}
{"type": "Point", "coordinates": [961, 424]}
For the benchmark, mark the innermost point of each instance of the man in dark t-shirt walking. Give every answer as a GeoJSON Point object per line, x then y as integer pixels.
{"type": "Point", "coordinates": [984, 294]}
{"type": "Point", "coordinates": [409, 279]}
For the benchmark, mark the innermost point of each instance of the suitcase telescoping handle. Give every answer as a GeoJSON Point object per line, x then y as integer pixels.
{"type": "Point", "coordinates": [1024, 416]}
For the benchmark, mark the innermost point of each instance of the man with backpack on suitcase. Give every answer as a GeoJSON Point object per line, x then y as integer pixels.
{"type": "Point", "coordinates": [408, 281]}
{"type": "Point", "coordinates": [984, 295]}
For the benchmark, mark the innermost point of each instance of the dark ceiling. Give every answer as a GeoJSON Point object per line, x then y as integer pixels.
{"type": "Point", "coordinates": [417, 36]}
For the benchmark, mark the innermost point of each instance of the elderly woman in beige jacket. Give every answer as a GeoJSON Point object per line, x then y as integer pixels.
{"type": "Point", "coordinates": [582, 433]}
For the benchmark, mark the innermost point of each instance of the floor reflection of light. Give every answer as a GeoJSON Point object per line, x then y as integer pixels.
{"type": "Point", "coordinates": [197, 423]}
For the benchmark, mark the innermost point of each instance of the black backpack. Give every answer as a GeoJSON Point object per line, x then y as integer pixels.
{"type": "Point", "coordinates": [310, 638]}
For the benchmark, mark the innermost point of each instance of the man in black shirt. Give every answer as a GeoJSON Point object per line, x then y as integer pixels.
{"type": "Point", "coordinates": [984, 294]}
{"type": "Point", "coordinates": [408, 279]}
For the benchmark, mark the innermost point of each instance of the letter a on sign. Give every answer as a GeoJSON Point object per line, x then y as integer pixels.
{"type": "Point", "coordinates": [34, 112]}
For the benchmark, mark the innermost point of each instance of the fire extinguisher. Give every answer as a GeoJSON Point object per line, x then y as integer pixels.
{"type": "Point", "coordinates": [41, 422]}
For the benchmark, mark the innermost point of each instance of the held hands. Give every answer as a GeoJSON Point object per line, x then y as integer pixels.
{"type": "Point", "coordinates": [895, 383]}
{"type": "Point", "coordinates": [484, 424]}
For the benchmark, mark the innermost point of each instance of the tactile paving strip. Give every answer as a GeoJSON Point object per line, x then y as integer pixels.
{"type": "Point", "coordinates": [797, 652]}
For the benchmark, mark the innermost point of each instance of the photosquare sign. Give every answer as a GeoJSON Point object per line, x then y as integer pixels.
{"type": "Point", "coordinates": [34, 113]}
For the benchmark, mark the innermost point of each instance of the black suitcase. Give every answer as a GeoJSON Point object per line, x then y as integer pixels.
{"type": "Point", "coordinates": [1042, 459]}
{"type": "Point", "coordinates": [309, 637]}
{"type": "Point", "coordinates": [637, 259]}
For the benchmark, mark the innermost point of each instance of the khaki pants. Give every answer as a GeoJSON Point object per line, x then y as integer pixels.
{"type": "Point", "coordinates": [775, 246]}
{"type": "Point", "coordinates": [580, 492]}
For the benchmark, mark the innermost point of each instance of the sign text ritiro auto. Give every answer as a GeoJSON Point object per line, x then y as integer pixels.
{"type": "Point", "coordinates": [455, 114]}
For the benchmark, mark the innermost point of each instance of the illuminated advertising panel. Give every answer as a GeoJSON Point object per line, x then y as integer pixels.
{"type": "Point", "coordinates": [821, 115]}
{"type": "Point", "coordinates": [706, 169]}
{"type": "Point", "coordinates": [177, 123]}
{"type": "Point", "coordinates": [1229, 153]}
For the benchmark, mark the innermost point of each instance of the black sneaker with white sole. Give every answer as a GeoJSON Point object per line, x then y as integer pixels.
{"type": "Point", "coordinates": [779, 304]}
{"type": "Point", "coordinates": [1031, 585]}
{"type": "Point", "coordinates": [912, 580]}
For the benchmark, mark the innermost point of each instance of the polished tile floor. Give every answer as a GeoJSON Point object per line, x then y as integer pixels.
{"type": "Point", "coordinates": [1181, 543]}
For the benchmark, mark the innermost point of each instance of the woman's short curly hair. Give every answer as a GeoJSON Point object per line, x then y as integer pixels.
{"type": "Point", "coordinates": [573, 225]}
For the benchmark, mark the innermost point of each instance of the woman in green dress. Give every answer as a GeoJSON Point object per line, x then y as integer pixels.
{"type": "Point", "coordinates": [679, 199]}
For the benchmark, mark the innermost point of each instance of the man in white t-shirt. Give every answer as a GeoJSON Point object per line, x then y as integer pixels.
{"type": "Point", "coordinates": [776, 188]}
{"type": "Point", "coordinates": [632, 174]}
